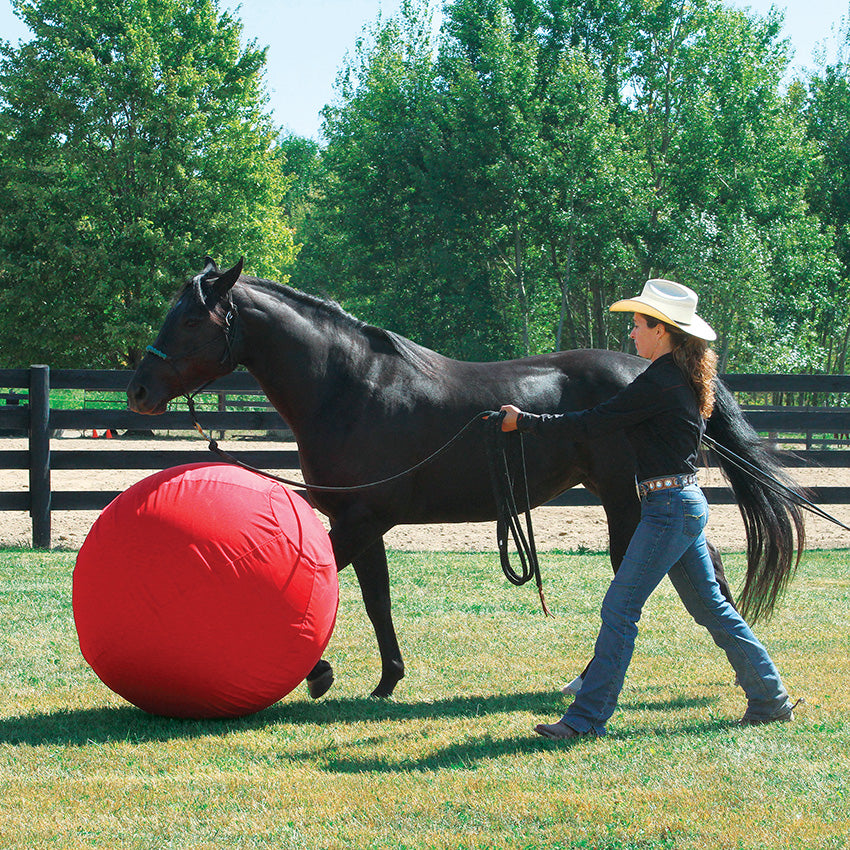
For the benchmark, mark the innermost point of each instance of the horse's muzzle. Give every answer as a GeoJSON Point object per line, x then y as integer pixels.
{"type": "Point", "coordinates": [141, 400]}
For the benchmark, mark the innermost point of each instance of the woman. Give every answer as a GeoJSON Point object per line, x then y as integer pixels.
{"type": "Point", "coordinates": [662, 413]}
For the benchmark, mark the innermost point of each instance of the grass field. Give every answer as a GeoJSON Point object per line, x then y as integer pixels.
{"type": "Point", "coordinates": [451, 761]}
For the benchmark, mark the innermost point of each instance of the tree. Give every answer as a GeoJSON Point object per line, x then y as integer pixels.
{"type": "Point", "coordinates": [385, 236]}
{"type": "Point", "coordinates": [300, 157]}
{"type": "Point", "coordinates": [440, 210]}
{"type": "Point", "coordinates": [133, 140]}
{"type": "Point", "coordinates": [827, 111]}
{"type": "Point", "coordinates": [492, 197]}
{"type": "Point", "coordinates": [728, 164]}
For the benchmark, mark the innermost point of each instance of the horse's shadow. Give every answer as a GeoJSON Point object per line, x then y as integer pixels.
{"type": "Point", "coordinates": [112, 724]}
{"type": "Point", "coordinates": [127, 723]}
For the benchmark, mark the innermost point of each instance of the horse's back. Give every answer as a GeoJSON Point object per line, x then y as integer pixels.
{"type": "Point", "coordinates": [544, 383]}
{"type": "Point", "coordinates": [456, 487]}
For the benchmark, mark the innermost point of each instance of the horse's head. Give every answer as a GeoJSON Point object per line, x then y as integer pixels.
{"type": "Point", "coordinates": [195, 345]}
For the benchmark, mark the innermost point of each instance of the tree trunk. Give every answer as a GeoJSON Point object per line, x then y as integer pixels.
{"type": "Point", "coordinates": [566, 315]}
{"type": "Point", "coordinates": [520, 284]}
{"type": "Point", "coordinates": [842, 355]}
{"type": "Point", "coordinates": [723, 355]}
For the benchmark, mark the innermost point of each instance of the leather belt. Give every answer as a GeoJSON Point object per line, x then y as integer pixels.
{"type": "Point", "coordinates": [668, 482]}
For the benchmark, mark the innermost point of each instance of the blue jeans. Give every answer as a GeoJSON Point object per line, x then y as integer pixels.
{"type": "Point", "coordinates": [670, 539]}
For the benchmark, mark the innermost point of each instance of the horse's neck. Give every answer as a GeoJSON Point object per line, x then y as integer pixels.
{"type": "Point", "coordinates": [287, 346]}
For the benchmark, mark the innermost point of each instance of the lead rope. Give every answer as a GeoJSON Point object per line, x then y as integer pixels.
{"type": "Point", "coordinates": [214, 447]}
{"type": "Point", "coordinates": [507, 514]}
{"type": "Point", "coordinates": [506, 510]}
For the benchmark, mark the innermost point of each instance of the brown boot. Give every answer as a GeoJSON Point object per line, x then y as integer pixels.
{"type": "Point", "coordinates": [556, 731]}
{"type": "Point", "coordinates": [784, 716]}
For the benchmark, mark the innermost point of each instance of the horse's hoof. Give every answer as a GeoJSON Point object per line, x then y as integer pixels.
{"type": "Point", "coordinates": [320, 684]}
{"type": "Point", "coordinates": [391, 675]}
{"type": "Point", "coordinates": [385, 689]}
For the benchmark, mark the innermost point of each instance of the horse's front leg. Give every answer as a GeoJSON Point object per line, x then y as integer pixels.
{"type": "Point", "coordinates": [373, 574]}
{"type": "Point", "coordinates": [357, 538]}
{"type": "Point", "coordinates": [355, 531]}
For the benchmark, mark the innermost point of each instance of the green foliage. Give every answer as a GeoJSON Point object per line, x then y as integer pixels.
{"type": "Point", "coordinates": [133, 140]}
{"type": "Point", "coordinates": [492, 193]}
{"type": "Point", "coordinates": [488, 191]}
{"type": "Point", "coordinates": [827, 112]}
{"type": "Point", "coordinates": [455, 188]}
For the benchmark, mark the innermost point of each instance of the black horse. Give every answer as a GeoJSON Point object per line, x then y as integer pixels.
{"type": "Point", "coordinates": [365, 404]}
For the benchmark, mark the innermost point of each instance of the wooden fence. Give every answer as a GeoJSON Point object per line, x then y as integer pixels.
{"type": "Point", "coordinates": [818, 430]}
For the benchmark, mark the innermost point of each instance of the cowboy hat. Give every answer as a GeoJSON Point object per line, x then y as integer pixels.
{"type": "Point", "coordinates": [670, 302]}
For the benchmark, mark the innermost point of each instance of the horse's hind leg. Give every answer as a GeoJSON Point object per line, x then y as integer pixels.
{"type": "Point", "coordinates": [719, 574]}
{"type": "Point", "coordinates": [575, 685]}
{"type": "Point", "coordinates": [622, 510]}
{"type": "Point", "coordinates": [373, 576]}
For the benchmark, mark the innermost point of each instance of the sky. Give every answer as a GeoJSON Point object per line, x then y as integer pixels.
{"type": "Point", "coordinates": [308, 40]}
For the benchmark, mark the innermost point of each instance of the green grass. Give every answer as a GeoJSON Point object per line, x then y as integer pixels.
{"type": "Point", "coordinates": [451, 761]}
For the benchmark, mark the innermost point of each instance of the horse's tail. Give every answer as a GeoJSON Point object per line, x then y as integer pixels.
{"type": "Point", "coordinates": [772, 519]}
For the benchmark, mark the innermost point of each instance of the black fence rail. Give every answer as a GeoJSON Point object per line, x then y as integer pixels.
{"type": "Point", "coordinates": [817, 434]}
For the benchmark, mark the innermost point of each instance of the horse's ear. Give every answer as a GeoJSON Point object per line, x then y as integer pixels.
{"type": "Point", "coordinates": [210, 268]}
{"type": "Point", "coordinates": [227, 278]}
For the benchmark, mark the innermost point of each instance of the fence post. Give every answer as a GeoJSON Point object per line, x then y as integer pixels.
{"type": "Point", "coordinates": [39, 451]}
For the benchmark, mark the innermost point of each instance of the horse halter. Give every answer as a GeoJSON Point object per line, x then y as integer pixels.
{"type": "Point", "coordinates": [229, 329]}
{"type": "Point", "coordinates": [228, 326]}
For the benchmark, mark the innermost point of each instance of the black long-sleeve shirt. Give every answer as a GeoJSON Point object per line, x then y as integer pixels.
{"type": "Point", "coordinates": [657, 412]}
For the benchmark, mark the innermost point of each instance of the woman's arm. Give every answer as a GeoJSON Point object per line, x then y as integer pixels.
{"type": "Point", "coordinates": [640, 400]}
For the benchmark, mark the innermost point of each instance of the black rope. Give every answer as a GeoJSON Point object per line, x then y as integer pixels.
{"type": "Point", "coordinates": [216, 449]}
{"type": "Point", "coordinates": [507, 513]}
{"type": "Point", "coordinates": [771, 483]}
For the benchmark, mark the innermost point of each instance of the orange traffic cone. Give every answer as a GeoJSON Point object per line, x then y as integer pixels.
{"type": "Point", "coordinates": [94, 433]}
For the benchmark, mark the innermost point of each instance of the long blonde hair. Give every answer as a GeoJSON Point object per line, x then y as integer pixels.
{"type": "Point", "coordinates": [696, 360]}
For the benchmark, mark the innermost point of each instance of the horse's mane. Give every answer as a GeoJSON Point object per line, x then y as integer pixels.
{"type": "Point", "coordinates": [412, 353]}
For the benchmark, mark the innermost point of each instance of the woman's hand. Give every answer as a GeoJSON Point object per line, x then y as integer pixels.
{"type": "Point", "coordinates": [512, 413]}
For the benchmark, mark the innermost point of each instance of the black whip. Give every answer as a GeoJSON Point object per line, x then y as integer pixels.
{"type": "Point", "coordinates": [770, 482]}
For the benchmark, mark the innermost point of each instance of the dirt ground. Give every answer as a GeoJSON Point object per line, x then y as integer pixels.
{"type": "Point", "coordinates": [554, 528]}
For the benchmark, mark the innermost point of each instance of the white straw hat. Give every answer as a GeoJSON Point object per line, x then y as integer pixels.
{"type": "Point", "coordinates": [670, 302]}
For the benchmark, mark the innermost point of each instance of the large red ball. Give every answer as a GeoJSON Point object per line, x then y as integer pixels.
{"type": "Point", "coordinates": [205, 591]}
